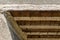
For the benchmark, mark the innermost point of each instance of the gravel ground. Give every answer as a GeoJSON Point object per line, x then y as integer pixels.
{"type": "Point", "coordinates": [4, 30]}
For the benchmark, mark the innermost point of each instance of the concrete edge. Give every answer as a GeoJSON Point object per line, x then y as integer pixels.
{"type": "Point", "coordinates": [6, 7]}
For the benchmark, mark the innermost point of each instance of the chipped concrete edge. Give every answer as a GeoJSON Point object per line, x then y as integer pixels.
{"type": "Point", "coordinates": [6, 7]}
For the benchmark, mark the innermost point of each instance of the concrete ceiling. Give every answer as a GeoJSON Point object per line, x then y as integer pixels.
{"type": "Point", "coordinates": [30, 1]}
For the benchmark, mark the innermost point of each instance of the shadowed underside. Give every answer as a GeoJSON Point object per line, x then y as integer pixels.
{"type": "Point", "coordinates": [40, 29]}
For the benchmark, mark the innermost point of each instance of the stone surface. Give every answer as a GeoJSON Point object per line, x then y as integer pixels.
{"type": "Point", "coordinates": [30, 1]}
{"type": "Point", "coordinates": [4, 29]}
{"type": "Point", "coordinates": [29, 7]}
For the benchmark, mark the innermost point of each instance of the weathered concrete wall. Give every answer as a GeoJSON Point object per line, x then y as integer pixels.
{"type": "Point", "coordinates": [31, 1]}
{"type": "Point", "coordinates": [4, 29]}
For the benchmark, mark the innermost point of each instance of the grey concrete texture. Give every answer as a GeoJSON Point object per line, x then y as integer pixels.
{"type": "Point", "coordinates": [5, 33]}
{"type": "Point", "coordinates": [29, 1]}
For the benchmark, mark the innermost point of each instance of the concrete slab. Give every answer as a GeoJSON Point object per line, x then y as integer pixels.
{"type": "Point", "coordinates": [30, 1]}
{"type": "Point", "coordinates": [4, 29]}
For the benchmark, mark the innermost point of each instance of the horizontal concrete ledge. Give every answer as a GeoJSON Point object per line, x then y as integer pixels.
{"type": "Point", "coordinates": [43, 33]}
{"type": "Point", "coordinates": [39, 27]}
{"type": "Point", "coordinates": [5, 7]}
{"type": "Point", "coordinates": [37, 18]}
